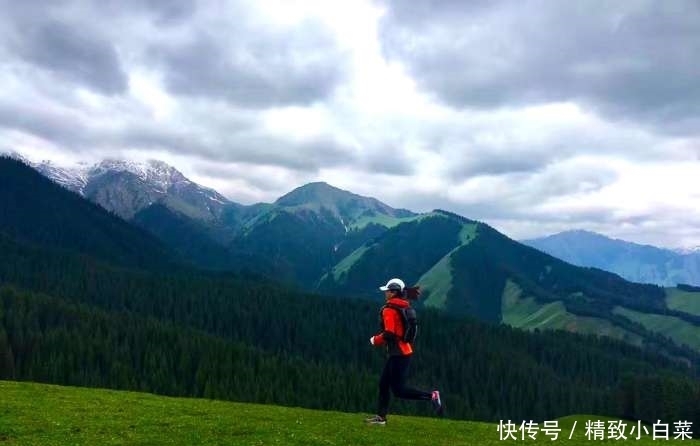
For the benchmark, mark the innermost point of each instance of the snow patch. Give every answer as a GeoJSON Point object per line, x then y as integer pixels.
{"type": "Point", "coordinates": [217, 200]}
{"type": "Point", "coordinates": [72, 178]}
{"type": "Point", "coordinates": [157, 175]}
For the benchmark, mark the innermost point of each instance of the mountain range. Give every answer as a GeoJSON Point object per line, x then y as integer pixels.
{"type": "Point", "coordinates": [323, 239]}
{"type": "Point", "coordinates": [634, 262]}
{"type": "Point", "coordinates": [87, 298]}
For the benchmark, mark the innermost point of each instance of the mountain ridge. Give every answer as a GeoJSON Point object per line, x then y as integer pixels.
{"type": "Point", "coordinates": [212, 231]}
{"type": "Point", "coordinates": [344, 204]}
{"type": "Point", "coordinates": [633, 261]}
{"type": "Point", "coordinates": [321, 238]}
{"type": "Point", "coordinates": [113, 183]}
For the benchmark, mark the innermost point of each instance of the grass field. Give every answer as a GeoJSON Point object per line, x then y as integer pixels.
{"type": "Point", "coordinates": [684, 301]}
{"type": "Point", "coordinates": [344, 265]}
{"type": "Point", "coordinates": [38, 414]}
{"type": "Point", "coordinates": [380, 219]}
{"type": "Point", "coordinates": [528, 314]}
{"type": "Point", "coordinates": [438, 280]}
{"type": "Point", "coordinates": [677, 329]}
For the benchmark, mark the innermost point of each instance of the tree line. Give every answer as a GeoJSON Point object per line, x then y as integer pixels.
{"type": "Point", "coordinates": [70, 319]}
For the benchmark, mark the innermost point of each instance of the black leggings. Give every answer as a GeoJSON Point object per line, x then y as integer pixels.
{"type": "Point", "coordinates": [394, 379]}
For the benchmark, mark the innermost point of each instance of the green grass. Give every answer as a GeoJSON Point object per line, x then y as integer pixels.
{"type": "Point", "coordinates": [347, 263]}
{"type": "Point", "coordinates": [380, 219]}
{"type": "Point", "coordinates": [684, 301]}
{"type": "Point", "coordinates": [264, 216]}
{"type": "Point", "coordinates": [437, 281]}
{"type": "Point", "coordinates": [468, 233]}
{"type": "Point", "coordinates": [677, 329]}
{"type": "Point", "coordinates": [39, 414]}
{"type": "Point", "coordinates": [526, 313]}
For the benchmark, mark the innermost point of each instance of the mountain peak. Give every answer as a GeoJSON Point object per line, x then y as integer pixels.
{"type": "Point", "coordinates": [345, 205]}
{"type": "Point", "coordinates": [314, 192]}
{"type": "Point", "coordinates": [155, 172]}
{"type": "Point", "coordinates": [72, 178]}
{"type": "Point", "coordinates": [126, 187]}
{"type": "Point", "coordinates": [580, 233]}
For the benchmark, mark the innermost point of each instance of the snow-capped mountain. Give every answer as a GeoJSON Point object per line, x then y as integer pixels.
{"type": "Point", "coordinates": [155, 173]}
{"type": "Point", "coordinates": [73, 178]}
{"type": "Point", "coordinates": [126, 187]}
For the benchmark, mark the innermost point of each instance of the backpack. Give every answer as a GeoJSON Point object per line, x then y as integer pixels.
{"type": "Point", "coordinates": [410, 322]}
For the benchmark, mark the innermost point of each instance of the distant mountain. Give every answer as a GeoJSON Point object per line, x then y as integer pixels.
{"type": "Point", "coordinates": [349, 208]}
{"type": "Point", "coordinates": [125, 187]}
{"type": "Point", "coordinates": [305, 232]}
{"type": "Point", "coordinates": [74, 179]}
{"type": "Point", "coordinates": [213, 232]}
{"type": "Point", "coordinates": [321, 238]}
{"type": "Point", "coordinates": [34, 210]}
{"type": "Point", "coordinates": [197, 222]}
{"type": "Point", "coordinates": [634, 262]}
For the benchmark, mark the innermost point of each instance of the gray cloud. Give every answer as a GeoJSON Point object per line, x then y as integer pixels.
{"type": "Point", "coordinates": [165, 13]}
{"type": "Point", "coordinates": [240, 142]}
{"type": "Point", "coordinates": [518, 196]}
{"type": "Point", "coordinates": [62, 128]}
{"type": "Point", "coordinates": [240, 59]}
{"type": "Point", "coordinates": [389, 159]}
{"type": "Point", "coordinates": [71, 49]}
{"type": "Point", "coordinates": [628, 59]}
{"type": "Point", "coordinates": [250, 146]}
{"type": "Point", "coordinates": [475, 162]}
{"type": "Point", "coordinates": [255, 68]}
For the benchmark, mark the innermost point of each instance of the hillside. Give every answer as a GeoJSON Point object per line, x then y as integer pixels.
{"type": "Point", "coordinates": [190, 238]}
{"type": "Point", "coordinates": [410, 248]}
{"type": "Point", "coordinates": [38, 211]}
{"type": "Point", "coordinates": [634, 262]}
{"type": "Point", "coordinates": [38, 415]}
{"type": "Point", "coordinates": [468, 268]}
{"type": "Point", "coordinates": [212, 232]}
{"type": "Point", "coordinates": [307, 231]}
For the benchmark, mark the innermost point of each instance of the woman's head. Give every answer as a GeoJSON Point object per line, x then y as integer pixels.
{"type": "Point", "coordinates": [393, 288]}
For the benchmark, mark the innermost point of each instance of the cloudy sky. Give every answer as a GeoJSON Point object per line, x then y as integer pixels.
{"type": "Point", "coordinates": [534, 116]}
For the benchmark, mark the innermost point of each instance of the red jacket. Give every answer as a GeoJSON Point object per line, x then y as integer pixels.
{"type": "Point", "coordinates": [392, 329]}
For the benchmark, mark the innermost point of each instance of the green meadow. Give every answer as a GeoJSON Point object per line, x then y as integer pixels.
{"type": "Point", "coordinates": [38, 414]}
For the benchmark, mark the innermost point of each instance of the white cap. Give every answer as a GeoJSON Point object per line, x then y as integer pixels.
{"type": "Point", "coordinates": [393, 284]}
